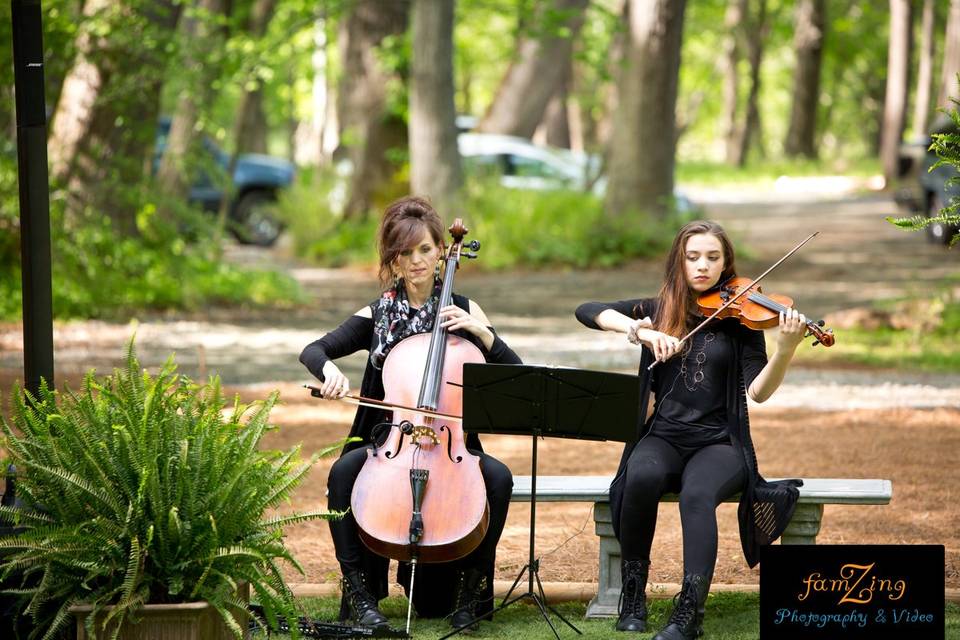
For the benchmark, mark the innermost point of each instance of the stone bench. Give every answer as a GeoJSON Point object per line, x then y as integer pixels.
{"type": "Point", "coordinates": [803, 527]}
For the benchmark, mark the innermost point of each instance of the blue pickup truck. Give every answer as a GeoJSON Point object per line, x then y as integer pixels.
{"type": "Point", "coordinates": [257, 179]}
{"type": "Point", "coordinates": [922, 191]}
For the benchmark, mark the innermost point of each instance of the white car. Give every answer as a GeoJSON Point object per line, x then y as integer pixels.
{"type": "Point", "coordinates": [524, 165]}
{"type": "Point", "coordinates": [521, 164]}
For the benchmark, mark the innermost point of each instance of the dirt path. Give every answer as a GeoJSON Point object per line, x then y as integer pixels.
{"type": "Point", "coordinates": [899, 425]}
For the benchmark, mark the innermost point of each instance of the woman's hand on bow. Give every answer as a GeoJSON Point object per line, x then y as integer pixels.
{"type": "Point", "coordinates": [663, 346]}
{"type": "Point", "coordinates": [335, 384]}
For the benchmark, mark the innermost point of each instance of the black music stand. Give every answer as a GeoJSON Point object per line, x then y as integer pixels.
{"type": "Point", "coordinates": [539, 401]}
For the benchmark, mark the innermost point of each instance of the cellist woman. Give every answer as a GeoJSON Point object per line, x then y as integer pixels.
{"type": "Point", "coordinates": [696, 441]}
{"type": "Point", "coordinates": [410, 244]}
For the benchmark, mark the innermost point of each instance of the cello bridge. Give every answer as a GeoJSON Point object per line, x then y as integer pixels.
{"type": "Point", "coordinates": [423, 432]}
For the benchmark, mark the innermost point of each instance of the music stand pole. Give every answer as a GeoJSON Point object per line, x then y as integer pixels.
{"type": "Point", "coordinates": [532, 567]}
{"type": "Point", "coordinates": [538, 400]}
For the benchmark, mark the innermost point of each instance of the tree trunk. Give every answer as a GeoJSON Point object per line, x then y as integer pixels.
{"type": "Point", "coordinates": [951, 58]}
{"type": "Point", "coordinates": [808, 42]}
{"type": "Point", "coordinates": [199, 40]}
{"type": "Point", "coordinates": [898, 78]}
{"type": "Point", "coordinates": [105, 125]}
{"type": "Point", "coordinates": [534, 75]}
{"type": "Point", "coordinates": [732, 50]}
{"type": "Point", "coordinates": [600, 130]}
{"type": "Point", "coordinates": [755, 35]}
{"type": "Point", "coordinates": [361, 98]}
{"type": "Point", "coordinates": [643, 145]}
{"type": "Point", "coordinates": [313, 135]}
{"type": "Point", "coordinates": [435, 170]}
{"type": "Point", "coordinates": [921, 108]}
{"type": "Point", "coordinates": [251, 129]}
{"type": "Point", "coordinates": [556, 119]}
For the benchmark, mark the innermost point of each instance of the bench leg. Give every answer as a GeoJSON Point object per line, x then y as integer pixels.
{"type": "Point", "coordinates": [804, 526]}
{"type": "Point", "coordinates": [605, 603]}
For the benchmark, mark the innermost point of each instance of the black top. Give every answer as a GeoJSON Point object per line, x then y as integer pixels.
{"type": "Point", "coordinates": [689, 389]}
{"type": "Point", "coordinates": [356, 334]}
{"type": "Point", "coordinates": [765, 507]}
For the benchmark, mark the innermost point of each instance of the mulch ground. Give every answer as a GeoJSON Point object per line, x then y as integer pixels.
{"type": "Point", "coordinates": [915, 449]}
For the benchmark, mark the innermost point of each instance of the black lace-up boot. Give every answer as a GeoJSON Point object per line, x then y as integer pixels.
{"type": "Point", "coordinates": [686, 621]}
{"type": "Point", "coordinates": [633, 595]}
{"type": "Point", "coordinates": [470, 586]}
{"type": "Point", "coordinates": [363, 606]}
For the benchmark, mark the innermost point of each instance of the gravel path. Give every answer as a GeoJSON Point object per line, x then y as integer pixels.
{"type": "Point", "coordinates": [856, 259]}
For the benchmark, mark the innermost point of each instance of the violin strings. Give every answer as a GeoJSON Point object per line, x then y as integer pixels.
{"type": "Point", "coordinates": [770, 303]}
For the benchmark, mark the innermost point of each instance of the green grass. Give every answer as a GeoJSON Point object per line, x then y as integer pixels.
{"type": "Point", "coordinates": [762, 175]}
{"type": "Point", "coordinates": [730, 616]}
{"type": "Point", "coordinates": [888, 348]}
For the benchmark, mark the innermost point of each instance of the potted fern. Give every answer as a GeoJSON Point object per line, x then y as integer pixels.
{"type": "Point", "coordinates": [147, 494]}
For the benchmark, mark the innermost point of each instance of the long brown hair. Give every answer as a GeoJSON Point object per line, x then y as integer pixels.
{"type": "Point", "coordinates": [676, 306]}
{"type": "Point", "coordinates": [402, 226]}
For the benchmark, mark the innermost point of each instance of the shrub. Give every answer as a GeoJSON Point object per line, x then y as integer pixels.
{"type": "Point", "coordinates": [144, 492]}
{"type": "Point", "coordinates": [517, 228]}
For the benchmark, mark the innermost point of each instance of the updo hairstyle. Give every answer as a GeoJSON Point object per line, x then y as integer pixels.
{"type": "Point", "coordinates": [401, 227]}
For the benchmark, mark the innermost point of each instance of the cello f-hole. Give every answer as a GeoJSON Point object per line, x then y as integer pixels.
{"type": "Point", "coordinates": [450, 445]}
{"type": "Point", "coordinates": [390, 455]}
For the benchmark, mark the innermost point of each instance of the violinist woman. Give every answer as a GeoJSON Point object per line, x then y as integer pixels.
{"type": "Point", "coordinates": [696, 441]}
{"type": "Point", "coordinates": [410, 243]}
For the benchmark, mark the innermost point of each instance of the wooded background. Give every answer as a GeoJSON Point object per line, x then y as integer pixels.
{"type": "Point", "coordinates": [641, 83]}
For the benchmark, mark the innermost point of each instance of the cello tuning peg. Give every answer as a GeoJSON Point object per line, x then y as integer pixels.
{"type": "Point", "coordinates": [820, 322]}
{"type": "Point", "coordinates": [815, 343]}
{"type": "Point", "coordinates": [474, 245]}
{"type": "Point", "coordinates": [467, 254]}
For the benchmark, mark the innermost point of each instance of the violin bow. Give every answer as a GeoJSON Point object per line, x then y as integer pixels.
{"type": "Point", "coordinates": [380, 404]}
{"type": "Point", "coordinates": [746, 289]}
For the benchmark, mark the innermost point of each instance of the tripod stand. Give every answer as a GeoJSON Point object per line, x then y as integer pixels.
{"type": "Point", "coordinates": [544, 401]}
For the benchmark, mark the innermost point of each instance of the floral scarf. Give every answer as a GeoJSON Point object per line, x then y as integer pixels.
{"type": "Point", "coordinates": [392, 320]}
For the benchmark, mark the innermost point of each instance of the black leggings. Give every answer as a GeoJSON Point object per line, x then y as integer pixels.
{"type": "Point", "coordinates": [704, 477]}
{"type": "Point", "coordinates": [346, 538]}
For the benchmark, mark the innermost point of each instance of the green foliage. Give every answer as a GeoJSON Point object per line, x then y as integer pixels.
{"type": "Point", "coordinates": [311, 207]}
{"type": "Point", "coordinates": [145, 493]}
{"type": "Point", "coordinates": [947, 148]}
{"type": "Point", "coordinates": [517, 228]}
{"type": "Point", "coordinates": [99, 271]}
{"type": "Point", "coordinates": [762, 175]}
{"type": "Point", "coordinates": [929, 344]}
{"type": "Point", "coordinates": [557, 228]}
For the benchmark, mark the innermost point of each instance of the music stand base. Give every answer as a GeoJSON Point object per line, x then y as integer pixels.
{"type": "Point", "coordinates": [539, 599]}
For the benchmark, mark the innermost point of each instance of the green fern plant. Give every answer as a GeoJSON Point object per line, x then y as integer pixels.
{"type": "Point", "coordinates": [145, 492]}
{"type": "Point", "coordinates": [947, 148]}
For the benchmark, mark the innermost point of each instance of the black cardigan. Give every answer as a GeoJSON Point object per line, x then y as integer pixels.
{"type": "Point", "coordinates": [765, 507]}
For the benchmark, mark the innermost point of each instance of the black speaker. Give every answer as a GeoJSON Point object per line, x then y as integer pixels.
{"type": "Point", "coordinates": [28, 62]}
{"type": "Point", "coordinates": [34, 193]}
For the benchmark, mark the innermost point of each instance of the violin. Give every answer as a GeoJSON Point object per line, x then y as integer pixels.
{"type": "Point", "coordinates": [420, 494]}
{"type": "Point", "coordinates": [754, 309]}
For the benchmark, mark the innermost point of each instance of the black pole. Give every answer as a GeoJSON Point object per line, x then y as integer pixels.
{"type": "Point", "coordinates": [34, 194]}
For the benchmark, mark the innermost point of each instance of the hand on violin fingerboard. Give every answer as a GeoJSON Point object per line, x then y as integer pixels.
{"type": "Point", "coordinates": [793, 326]}
{"type": "Point", "coordinates": [454, 318]}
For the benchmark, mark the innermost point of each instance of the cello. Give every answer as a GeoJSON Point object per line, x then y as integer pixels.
{"type": "Point", "coordinates": [420, 495]}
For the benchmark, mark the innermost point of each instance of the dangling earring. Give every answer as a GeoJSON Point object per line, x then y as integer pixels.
{"type": "Point", "coordinates": [436, 271]}
{"type": "Point", "coordinates": [396, 280]}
